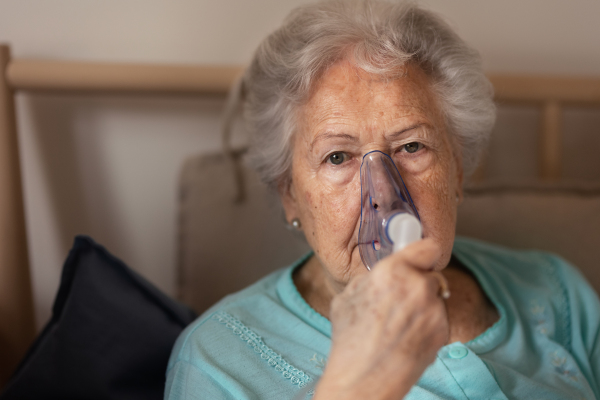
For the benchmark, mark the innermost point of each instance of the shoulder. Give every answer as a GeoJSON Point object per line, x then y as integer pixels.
{"type": "Point", "coordinates": [521, 268]}
{"type": "Point", "coordinates": [249, 345]}
{"type": "Point", "coordinates": [539, 286]}
{"type": "Point", "coordinates": [216, 329]}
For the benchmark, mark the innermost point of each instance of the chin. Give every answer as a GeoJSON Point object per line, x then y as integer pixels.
{"type": "Point", "coordinates": [446, 242]}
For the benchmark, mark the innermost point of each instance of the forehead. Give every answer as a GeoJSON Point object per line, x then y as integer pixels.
{"type": "Point", "coordinates": [348, 95]}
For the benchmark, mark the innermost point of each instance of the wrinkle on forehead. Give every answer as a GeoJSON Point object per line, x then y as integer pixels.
{"type": "Point", "coordinates": [333, 100]}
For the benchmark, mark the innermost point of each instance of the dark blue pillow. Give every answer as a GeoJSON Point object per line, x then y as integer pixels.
{"type": "Point", "coordinates": [109, 337]}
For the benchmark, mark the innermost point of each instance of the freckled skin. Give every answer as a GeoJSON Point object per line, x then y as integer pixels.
{"type": "Point", "coordinates": [354, 112]}
{"type": "Point", "coordinates": [370, 109]}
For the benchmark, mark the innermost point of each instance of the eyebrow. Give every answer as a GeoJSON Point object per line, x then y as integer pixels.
{"type": "Point", "coordinates": [410, 128]}
{"type": "Point", "coordinates": [331, 135]}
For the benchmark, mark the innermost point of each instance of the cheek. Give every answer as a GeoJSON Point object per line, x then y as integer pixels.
{"type": "Point", "coordinates": [434, 195]}
{"type": "Point", "coordinates": [331, 209]}
{"type": "Point", "coordinates": [432, 183]}
{"type": "Point", "coordinates": [330, 214]}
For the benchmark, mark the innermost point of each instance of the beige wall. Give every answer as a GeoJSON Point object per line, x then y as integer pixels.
{"type": "Point", "coordinates": [108, 166]}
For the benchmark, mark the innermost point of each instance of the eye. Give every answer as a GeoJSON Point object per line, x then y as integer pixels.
{"type": "Point", "coordinates": [338, 158]}
{"type": "Point", "coordinates": [413, 147]}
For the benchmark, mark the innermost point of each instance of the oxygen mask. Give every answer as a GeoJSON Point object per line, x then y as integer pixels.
{"type": "Point", "coordinates": [389, 220]}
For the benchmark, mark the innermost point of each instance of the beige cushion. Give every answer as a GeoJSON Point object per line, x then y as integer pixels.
{"type": "Point", "coordinates": [224, 246]}
{"type": "Point", "coordinates": [561, 219]}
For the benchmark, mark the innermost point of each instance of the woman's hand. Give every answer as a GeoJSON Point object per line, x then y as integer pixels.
{"type": "Point", "coordinates": [387, 327]}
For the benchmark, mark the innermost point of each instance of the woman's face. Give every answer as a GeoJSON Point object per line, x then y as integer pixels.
{"type": "Point", "coordinates": [350, 113]}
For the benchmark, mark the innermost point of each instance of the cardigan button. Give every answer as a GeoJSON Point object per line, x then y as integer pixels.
{"type": "Point", "coordinates": [458, 352]}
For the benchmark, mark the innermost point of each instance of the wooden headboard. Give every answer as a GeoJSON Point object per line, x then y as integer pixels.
{"type": "Point", "coordinates": [16, 306]}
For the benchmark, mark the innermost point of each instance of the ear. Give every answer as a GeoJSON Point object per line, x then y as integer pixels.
{"type": "Point", "coordinates": [288, 200]}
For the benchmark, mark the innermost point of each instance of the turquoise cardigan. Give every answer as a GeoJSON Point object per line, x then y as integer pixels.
{"type": "Point", "coordinates": [266, 342]}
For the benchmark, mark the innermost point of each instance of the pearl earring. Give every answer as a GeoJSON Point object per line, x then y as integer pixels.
{"type": "Point", "coordinates": [296, 224]}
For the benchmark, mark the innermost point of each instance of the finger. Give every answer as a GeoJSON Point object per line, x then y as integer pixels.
{"type": "Point", "coordinates": [422, 254]}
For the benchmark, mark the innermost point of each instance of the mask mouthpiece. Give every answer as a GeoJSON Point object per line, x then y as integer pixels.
{"type": "Point", "coordinates": [389, 220]}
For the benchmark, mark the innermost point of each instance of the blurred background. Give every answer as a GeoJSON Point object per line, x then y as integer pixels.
{"type": "Point", "coordinates": [108, 166]}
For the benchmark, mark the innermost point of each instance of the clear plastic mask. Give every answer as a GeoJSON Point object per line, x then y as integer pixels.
{"type": "Point", "coordinates": [389, 219]}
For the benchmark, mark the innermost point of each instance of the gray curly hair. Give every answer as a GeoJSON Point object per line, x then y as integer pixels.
{"type": "Point", "coordinates": [378, 37]}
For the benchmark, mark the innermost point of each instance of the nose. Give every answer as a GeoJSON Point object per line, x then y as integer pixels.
{"type": "Point", "coordinates": [381, 178]}
{"type": "Point", "coordinates": [383, 194]}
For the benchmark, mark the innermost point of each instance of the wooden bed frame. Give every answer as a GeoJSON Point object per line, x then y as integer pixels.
{"type": "Point", "coordinates": [18, 75]}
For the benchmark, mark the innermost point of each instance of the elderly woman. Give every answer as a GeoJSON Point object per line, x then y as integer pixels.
{"type": "Point", "coordinates": [338, 81]}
